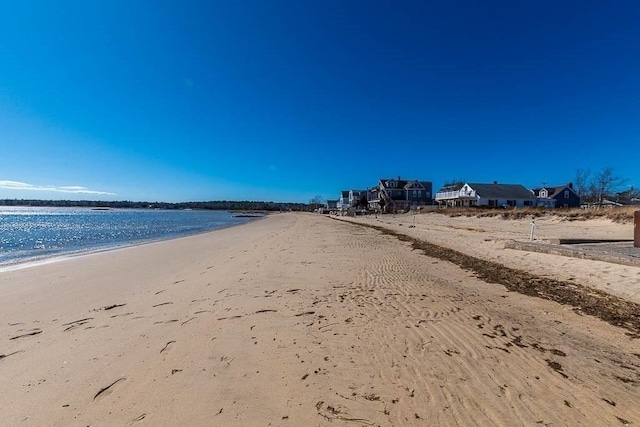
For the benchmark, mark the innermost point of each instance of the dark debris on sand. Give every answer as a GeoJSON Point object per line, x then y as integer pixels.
{"type": "Point", "coordinates": [611, 309]}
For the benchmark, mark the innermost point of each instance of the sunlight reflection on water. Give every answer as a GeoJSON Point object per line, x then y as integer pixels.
{"type": "Point", "coordinates": [32, 233]}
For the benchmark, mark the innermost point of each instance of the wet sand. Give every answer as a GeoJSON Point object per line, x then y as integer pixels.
{"type": "Point", "coordinates": [300, 319]}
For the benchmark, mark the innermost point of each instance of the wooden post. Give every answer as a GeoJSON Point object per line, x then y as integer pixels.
{"type": "Point", "coordinates": [533, 227]}
{"type": "Point", "coordinates": [636, 229]}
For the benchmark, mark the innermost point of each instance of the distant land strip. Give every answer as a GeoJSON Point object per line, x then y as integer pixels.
{"type": "Point", "coordinates": [223, 205]}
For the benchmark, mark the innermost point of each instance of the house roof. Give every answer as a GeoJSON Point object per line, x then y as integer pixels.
{"type": "Point", "coordinates": [345, 193]}
{"type": "Point", "coordinates": [451, 187]}
{"type": "Point", "coordinates": [404, 183]}
{"type": "Point", "coordinates": [551, 191]}
{"type": "Point", "coordinates": [400, 182]}
{"type": "Point", "coordinates": [501, 191]}
{"type": "Point", "coordinates": [425, 184]}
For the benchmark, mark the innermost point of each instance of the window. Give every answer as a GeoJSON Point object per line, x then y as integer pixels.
{"type": "Point", "coordinates": [416, 193]}
{"type": "Point", "coordinates": [527, 203]}
{"type": "Point", "coordinates": [566, 194]}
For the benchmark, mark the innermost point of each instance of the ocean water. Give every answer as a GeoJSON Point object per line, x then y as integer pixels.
{"type": "Point", "coordinates": [29, 234]}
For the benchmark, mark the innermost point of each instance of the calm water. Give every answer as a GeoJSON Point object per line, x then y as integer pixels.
{"type": "Point", "coordinates": [33, 233]}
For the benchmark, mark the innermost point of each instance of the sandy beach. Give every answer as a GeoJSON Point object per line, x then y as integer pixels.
{"type": "Point", "coordinates": [307, 320]}
{"type": "Point", "coordinates": [485, 237]}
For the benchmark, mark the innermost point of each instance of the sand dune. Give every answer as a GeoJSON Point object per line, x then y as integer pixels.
{"type": "Point", "coordinates": [300, 319]}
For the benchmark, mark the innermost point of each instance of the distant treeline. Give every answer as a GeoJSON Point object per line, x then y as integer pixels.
{"type": "Point", "coordinates": [212, 205]}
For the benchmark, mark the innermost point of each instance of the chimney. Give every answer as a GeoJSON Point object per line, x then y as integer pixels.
{"type": "Point", "coordinates": [495, 182]}
{"type": "Point", "coordinates": [570, 185]}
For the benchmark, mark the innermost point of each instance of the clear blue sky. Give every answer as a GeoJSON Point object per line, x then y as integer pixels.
{"type": "Point", "coordinates": [285, 100]}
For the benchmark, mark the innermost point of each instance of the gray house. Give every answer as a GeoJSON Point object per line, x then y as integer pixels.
{"type": "Point", "coordinates": [491, 195]}
{"type": "Point", "coordinates": [393, 195]}
{"type": "Point", "coordinates": [331, 205]}
{"type": "Point", "coordinates": [562, 196]}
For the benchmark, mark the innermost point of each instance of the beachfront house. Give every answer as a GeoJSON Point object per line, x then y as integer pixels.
{"type": "Point", "coordinates": [358, 198]}
{"type": "Point", "coordinates": [628, 197]}
{"type": "Point", "coordinates": [343, 201]}
{"type": "Point", "coordinates": [605, 203]}
{"type": "Point", "coordinates": [396, 195]}
{"type": "Point", "coordinates": [478, 194]}
{"type": "Point", "coordinates": [562, 196]}
{"type": "Point", "coordinates": [373, 195]}
{"type": "Point", "coordinates": [331, 205]}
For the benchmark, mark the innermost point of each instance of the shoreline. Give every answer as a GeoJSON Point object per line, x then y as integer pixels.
{"type": "Point", "coordinates": [63, 256]}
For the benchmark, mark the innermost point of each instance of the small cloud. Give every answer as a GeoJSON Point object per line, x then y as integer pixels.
{"type": "Point", "coordinates": [74, 189]}
{"type": "Point", "coordinates": [15, 185]}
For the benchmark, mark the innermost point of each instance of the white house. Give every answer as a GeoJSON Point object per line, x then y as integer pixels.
{"type": "Point", "coordinates": [478, 194]}
{"type": "Point", "coordinates": [343, 201]}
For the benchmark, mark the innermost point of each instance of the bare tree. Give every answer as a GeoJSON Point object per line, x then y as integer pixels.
{"type": "Point", "coordinates": [590, 193]}
{"type": "Point", "coordinates": [605, 183]}
{"type": "Point", "coordinates": [382, 203]}
{"type": "Point", "coordinates": [581, 181]}
{"type": "Point", "coordinates": [363, 202]}
{"type": "Point", "coordinates": [316, 202]}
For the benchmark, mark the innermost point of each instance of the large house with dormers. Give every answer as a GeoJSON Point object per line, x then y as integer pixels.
{"type": "Point", "coordinates": [395, 195]}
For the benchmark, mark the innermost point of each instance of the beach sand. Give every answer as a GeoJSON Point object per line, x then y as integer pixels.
{"type": "Point", "coordinates": [485, 237]}
{"type": "Point", "coordinates": [301, 320]}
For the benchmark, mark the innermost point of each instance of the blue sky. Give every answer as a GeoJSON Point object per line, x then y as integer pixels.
{"type": "Point", "coordinates": [285, 100]}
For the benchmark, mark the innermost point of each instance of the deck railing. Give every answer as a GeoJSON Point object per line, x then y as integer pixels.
{"type": "Point", "coordinates": [459, 194]}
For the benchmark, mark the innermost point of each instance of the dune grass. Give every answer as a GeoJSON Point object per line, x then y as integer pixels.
{"type": "Point", "coordinates": [616, 214]}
